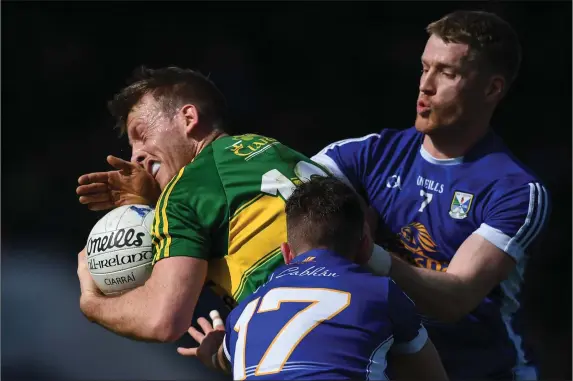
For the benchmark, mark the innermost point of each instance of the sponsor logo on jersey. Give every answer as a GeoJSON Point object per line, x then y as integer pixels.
{"type": "Point", "coordinates": [309, 259]}
{"type": "Point", "coordinates": [461, 204]}
{"type": "Point", "coordinates": [420, 247]}
{"type": "Point", "coordinates": [430, 185]}
{"type": "Point", "coordinates": [394, 182]}
{"type": "Point", "coordinates": [311, 271]}
{"type": "Point", "coordinates": [250, 145]}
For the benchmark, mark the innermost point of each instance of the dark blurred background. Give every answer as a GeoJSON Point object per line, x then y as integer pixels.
{"type": "Point", "coordinates": [307, 73]}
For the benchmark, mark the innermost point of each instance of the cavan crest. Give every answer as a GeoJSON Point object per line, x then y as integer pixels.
{"type": "Point", "coordinates": [461, 204]}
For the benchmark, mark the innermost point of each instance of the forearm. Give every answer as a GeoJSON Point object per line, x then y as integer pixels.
{"type": "Point", "coordinates": [133, 314]}
{"type": "Point", "coordinates": [437, 294]}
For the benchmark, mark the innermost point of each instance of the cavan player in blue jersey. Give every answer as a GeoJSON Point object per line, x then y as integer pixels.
{"type": "Point", "coordinates": [454, 201]}
{"type": "Point", "coordinates": [322, 315]}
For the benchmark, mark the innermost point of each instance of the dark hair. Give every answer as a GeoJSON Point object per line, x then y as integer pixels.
{"type": "Point", "coordinates": [491, 39]}
{"type": "Point", "coordinates": [325, 212]}
{"type": "Point", "coordinates": [172, 87]}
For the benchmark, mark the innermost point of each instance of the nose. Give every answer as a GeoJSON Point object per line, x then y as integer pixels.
{"type": "Point", "coordinates": [427, 84]}
{"type": "Point", "coordinates": [138, 158]}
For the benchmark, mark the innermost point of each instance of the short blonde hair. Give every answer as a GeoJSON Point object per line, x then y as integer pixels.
{"type": "Point", "coordinates": [492, 41]}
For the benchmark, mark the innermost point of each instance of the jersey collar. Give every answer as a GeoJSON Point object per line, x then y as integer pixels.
{"type": "Point", "coordinates": [430, 159]}
{"type": "Point", "coordinates": [311, 256]}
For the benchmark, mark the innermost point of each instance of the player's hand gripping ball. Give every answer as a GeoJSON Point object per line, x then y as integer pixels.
{"type": "Point", "coordinates": [119, 251]}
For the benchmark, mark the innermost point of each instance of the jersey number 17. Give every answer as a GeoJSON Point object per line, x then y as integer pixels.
{"type": "Point", "coordinates": [324, 305]}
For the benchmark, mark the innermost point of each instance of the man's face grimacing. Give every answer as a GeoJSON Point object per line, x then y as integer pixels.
{"type": "Point", "coordinates": [453, 90]}
{"type": "Point", "coordinates": [160, 143]}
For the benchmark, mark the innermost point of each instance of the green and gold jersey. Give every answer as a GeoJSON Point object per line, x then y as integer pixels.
{"type": "Point", "coordinates": [227, 207]}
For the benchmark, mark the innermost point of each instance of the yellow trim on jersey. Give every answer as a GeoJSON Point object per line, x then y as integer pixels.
{"type": "Point", "coordinates": [161, 215]}
{"type": "Point", "coordinates": [263, 261]}
{"type": "Point", "coordinates": [242, 207]}
{"type": "Point", "coordinates": [254, 235]}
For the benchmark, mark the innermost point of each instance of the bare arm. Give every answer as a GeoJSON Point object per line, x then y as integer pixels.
{"type": "Point", "coordinates": [160, 310]}
{"type": "Point", "coordinates": [476, 268]}
{"type": "Point", "coordinates": [422, 365]}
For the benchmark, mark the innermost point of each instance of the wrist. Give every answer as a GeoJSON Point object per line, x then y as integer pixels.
{"type": "Point", "coordinates": [89, 302]}
{"type": "Point", "coordinates": [380, 261]}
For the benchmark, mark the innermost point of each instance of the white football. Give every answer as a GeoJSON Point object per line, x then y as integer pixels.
{"type": "Point", "coordinates": [119, 249]}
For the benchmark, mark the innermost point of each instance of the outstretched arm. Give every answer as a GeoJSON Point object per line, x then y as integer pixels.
{"type": "Point", "coordinates": [513, 221]}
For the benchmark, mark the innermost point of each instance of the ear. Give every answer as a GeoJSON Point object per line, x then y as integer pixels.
{"type": "Point", "coordinates": [288, 255]}
{"type": "Point", "coordinates": [190, 117]}
{"type": "Point", "coordinates": [495, 89]}
{"type": "Point", "coordinates": [364, 250]}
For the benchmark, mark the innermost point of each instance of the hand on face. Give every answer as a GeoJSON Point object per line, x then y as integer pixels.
{"type": "Point", "coordinates": [129, 184]}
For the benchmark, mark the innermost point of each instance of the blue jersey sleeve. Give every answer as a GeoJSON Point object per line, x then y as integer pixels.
{"type": "Point", "coordinates": [227, 340]}
{"type": "Point", "coordinates": [515, 216]}
{"type": "Point", "coordinates": [410, 336]}
{"type": "Point", "coordinates": [348, 159]}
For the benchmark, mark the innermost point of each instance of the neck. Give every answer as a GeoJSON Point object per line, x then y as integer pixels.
{"type": "Point", "coordinates": [207, 139]}
{"type": "Point", "coordinates": [453, 143]}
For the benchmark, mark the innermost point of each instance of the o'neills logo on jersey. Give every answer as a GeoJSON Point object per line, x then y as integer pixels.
{"type": "Point", "coordinates": [118, 260]}
{"type": "Point", "coordinates": [250, 145]}
{"type": "Point", "coordinates": [119, 238]}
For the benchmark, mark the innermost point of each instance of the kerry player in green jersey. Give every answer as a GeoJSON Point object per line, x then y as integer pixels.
{"type": "Point", "coordinates": [220, 215]}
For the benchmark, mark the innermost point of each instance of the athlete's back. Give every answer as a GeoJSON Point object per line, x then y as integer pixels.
{"type": "Point", "coordinates": [321, 317]}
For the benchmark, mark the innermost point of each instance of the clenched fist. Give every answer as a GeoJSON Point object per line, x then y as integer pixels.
{"type": "Point", "coordinates": [129, 184]}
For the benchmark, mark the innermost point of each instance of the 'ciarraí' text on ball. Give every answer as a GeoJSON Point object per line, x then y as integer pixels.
{"type": "Point", "coordinates": [118, 260]}
{"type": "Point", "coordinates": [120, 238]}
{"type": "Point", "coordinates": [120, 280]}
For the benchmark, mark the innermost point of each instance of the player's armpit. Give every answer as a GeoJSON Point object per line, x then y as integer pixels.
{"type": "Point", "coordinates": [424, 364]}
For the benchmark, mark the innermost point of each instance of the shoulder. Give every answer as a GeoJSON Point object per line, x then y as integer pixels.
{"type": "Point", "coordinates": [196, 189]}
{"type": "Point", "coordinates": [504, 166]}
{"type": "Point", "coordinates": [375, 140]}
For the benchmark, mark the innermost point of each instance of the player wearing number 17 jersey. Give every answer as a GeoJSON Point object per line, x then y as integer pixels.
{"type": "Point", "coordinates": [323, 316]}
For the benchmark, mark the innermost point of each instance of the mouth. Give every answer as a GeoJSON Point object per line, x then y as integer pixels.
{"type": "Point", "coordinates": [155, 168]}
{"type": "Point", "coordinates": [423, 108]}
